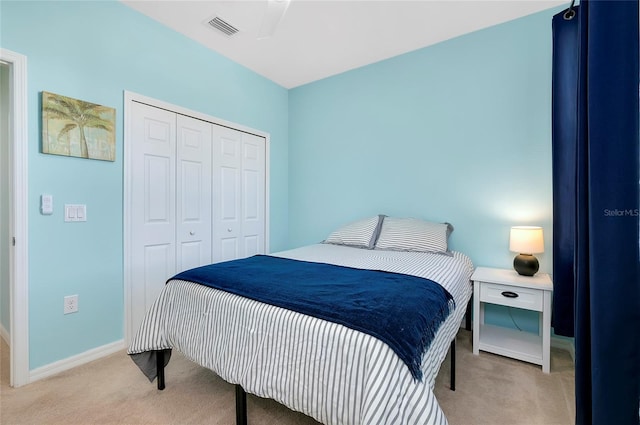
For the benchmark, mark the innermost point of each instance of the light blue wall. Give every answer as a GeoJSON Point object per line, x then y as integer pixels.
{"type": "Point", "coordinates": [94, 51]}
{"type": "Point", "coordinates": [459, 132]}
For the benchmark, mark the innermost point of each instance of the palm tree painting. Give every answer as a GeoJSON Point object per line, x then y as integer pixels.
{"type": "Point", "coordinates": [74, 127]}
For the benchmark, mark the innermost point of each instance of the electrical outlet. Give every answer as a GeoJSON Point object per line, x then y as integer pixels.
{"type": "Point", "coordinates": [70, 304]}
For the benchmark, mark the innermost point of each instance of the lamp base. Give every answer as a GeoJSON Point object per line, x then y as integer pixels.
{"type": "Point", "coordinates": [526, 264]}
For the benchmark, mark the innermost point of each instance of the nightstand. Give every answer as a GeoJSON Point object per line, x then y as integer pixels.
{"type": "Point", "coordinates": [508, 288]}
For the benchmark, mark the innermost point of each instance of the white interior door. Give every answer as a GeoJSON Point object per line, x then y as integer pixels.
{"type": "Point", "coordinates": [227, 186]}
{"type": "Point", "coordinates": [153, 256]}
{"type": "Point", "coordinates": [253, 193]}
{"type": "Point", "coordinates": [193, 233]}
{"type": "Point", "coordinates": [238, 194]}
{"type": "Point", "coordinates": [18, 217]}
{"type": "Point", "coordinates": [195, 192]}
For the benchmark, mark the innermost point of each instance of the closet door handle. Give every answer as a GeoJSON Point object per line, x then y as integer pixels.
{"type": "Point", "coordinates": [192, 233]}
{"type": "Point", "coordinates": [509, 294]}
{"type": "Point", "coordinates": [229, 229]}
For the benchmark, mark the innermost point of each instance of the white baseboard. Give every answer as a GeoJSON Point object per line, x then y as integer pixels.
{"type": "Point", "coordinates": [74, 361]}
{"type": "Point", "coordinates": [566, 345]}
{"type": "Point", "coordinates": [4, 334]}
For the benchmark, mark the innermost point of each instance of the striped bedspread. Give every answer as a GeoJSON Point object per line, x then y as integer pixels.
{"type": "Point", "coordinates": [325, 370]}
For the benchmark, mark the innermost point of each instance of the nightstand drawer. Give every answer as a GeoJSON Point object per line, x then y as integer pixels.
{"type": "Point", "coordinates": [529, 299]}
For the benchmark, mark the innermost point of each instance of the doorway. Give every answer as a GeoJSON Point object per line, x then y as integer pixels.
{"type": "Point", "coordinates": [13, 215]}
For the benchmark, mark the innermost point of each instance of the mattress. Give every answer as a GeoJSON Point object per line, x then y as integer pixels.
{"type": "Point", "coordinates": [325, 370]}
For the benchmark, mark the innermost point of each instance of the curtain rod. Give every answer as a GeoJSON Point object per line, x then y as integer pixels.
{"type": "Point", "coordinates": [569, 14]}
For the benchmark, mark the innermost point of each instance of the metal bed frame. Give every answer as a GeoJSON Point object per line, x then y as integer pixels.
{"type": "Point", "coordinates": [241, 395]}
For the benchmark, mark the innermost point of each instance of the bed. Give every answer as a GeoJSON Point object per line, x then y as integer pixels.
{"type": "Point", "coordinates": [324, 369]}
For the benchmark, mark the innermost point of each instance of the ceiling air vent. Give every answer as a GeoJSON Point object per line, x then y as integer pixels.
{"type": "Point", "coordinates": [222, 26]}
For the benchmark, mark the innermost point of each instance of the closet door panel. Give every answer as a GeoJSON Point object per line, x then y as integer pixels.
{"type": "Point", "coordinates": [153, 205]}
{"type": "Point", "coordinates": [253, 195]}
{"type": "Point", "coordinates": [193, 207]}
{"type": "Point", "coordinates": [227, 187]}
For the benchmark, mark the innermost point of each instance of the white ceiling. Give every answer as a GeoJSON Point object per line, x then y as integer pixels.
{"type": "Point", "coordinates": [320, 38]}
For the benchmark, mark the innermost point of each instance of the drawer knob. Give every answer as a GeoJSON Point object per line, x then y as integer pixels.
{"type": "Point", "coordinates": [509, 294]}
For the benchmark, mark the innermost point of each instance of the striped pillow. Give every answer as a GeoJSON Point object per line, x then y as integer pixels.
{"type": "Point", "coordinates": [412, 234]}
{"type": "Point", "coordinates": [361, 234]}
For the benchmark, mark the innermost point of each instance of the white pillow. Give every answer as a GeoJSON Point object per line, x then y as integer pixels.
{"type": "Point", "coordinates": [412, 234]}
{"type": "Point", "coordinates": [361, 234]}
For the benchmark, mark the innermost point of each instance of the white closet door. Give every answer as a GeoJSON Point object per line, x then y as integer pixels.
{"type": "Point", "coordinates": [253, 195]}
{"type": "Point", "coordinates": [196, 193]}
{"type": "Point", "coordinates": [193, 232]}
{"type": "Point", "coordinates": [227, 186]}
{"type": "Point", "coordinates": [153, 252]}
{"type": "Point", "coordinates": [238, 194]}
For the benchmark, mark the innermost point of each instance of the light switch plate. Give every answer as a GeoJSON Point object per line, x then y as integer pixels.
{"type": "Point", "coordinates": [75, 212]}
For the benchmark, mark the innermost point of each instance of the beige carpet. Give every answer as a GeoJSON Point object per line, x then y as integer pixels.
{"type": "Point", "coordinates": [490, 390]}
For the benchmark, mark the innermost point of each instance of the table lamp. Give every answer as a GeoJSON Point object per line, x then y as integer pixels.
{"type": "Point", "coordinates": [526, 241]}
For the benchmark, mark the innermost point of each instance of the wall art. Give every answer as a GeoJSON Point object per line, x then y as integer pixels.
{"type": "Point", "coordinates": [73, 127]}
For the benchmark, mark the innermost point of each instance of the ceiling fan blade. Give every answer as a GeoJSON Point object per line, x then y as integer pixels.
{"type": "Point", "coordinates": [276, 10]}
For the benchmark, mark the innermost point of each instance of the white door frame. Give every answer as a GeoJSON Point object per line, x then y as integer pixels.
{"type": "Point", "coordinates": [18, 196]}
{"type": "Point", "coordinates": [130, 97]}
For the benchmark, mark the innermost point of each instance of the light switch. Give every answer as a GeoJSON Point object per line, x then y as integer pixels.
{"type": "Point", "coordinates": [73, 212]}
{"type": "Point", "coordinates": [46, 204]}
{"type": "Point", "coordinates": [69, 212]}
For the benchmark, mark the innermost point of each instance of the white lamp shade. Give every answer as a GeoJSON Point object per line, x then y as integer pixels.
{"type": "Point", "coordinates": [526, 240]}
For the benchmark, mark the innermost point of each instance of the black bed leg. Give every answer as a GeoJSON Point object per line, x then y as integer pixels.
{"type": "Point", "coordinates": [160, 368]}
{"type": "Point", "coordinates": [453, 365]}
{"type": "Point", "coordinates": [241, 406]}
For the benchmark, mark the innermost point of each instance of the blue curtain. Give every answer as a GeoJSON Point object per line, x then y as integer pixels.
{"type": "Point", "coordinates": [596, 158]}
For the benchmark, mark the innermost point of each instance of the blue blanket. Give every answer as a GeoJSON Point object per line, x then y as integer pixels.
{"type": "Point", "coordinates": [401, 310]}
